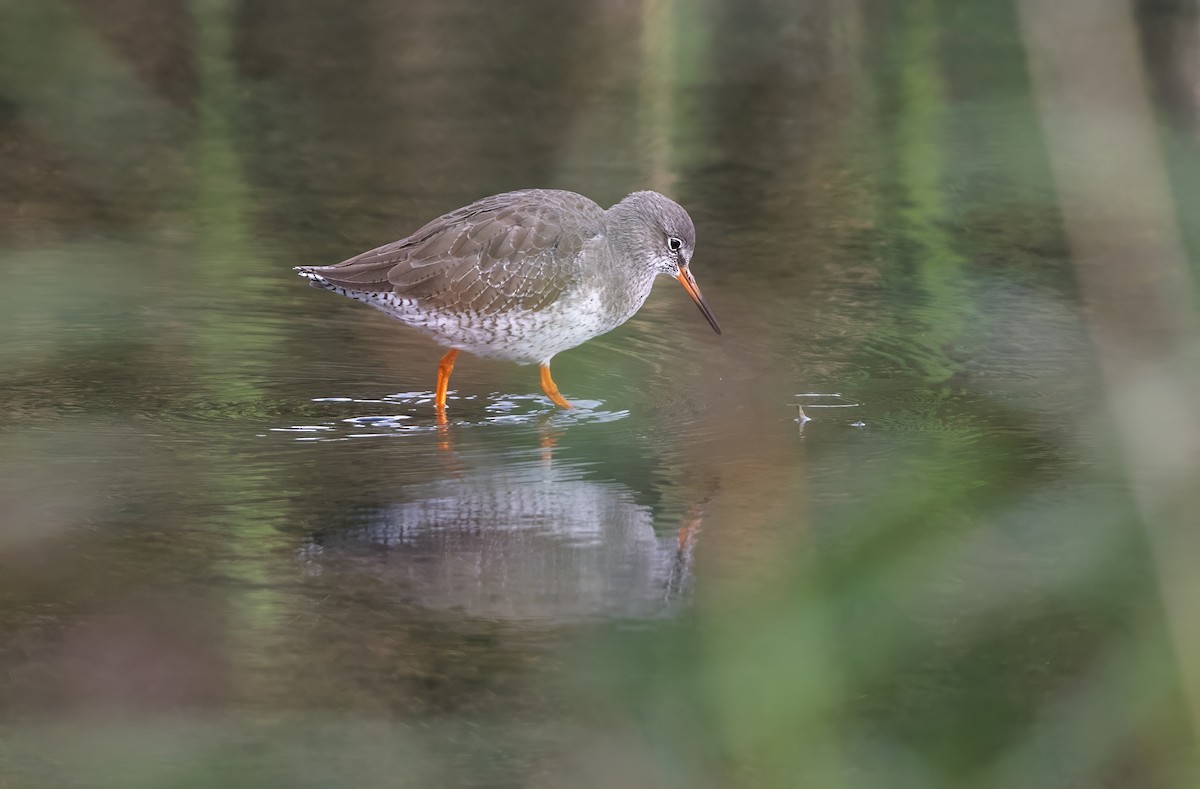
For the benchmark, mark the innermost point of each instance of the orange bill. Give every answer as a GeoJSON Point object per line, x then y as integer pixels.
{"type": "Point", "coordinates": [689, 284]}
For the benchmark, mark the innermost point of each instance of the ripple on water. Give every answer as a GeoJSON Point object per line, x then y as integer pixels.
{"type": "Point", "coordinates": [412, 412]}
{"type": "Point", "coordinates": [809, 401]}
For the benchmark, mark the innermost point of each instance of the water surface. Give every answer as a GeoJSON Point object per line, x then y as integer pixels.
{"type": "Point", "coordinates": [237, 548]}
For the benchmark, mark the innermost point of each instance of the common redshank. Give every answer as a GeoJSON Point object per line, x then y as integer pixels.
{"type": "Point", "coordinates": [523, 275]}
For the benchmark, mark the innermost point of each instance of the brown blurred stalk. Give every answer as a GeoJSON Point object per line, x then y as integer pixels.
{"type": "Point", "coordinates": [1120, 219]}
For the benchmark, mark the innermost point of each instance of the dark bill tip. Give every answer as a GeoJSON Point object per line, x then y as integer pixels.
{"type": "Point", "coordinates": [689, 284]}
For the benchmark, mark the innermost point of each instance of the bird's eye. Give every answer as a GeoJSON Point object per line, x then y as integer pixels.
{"type": "Point", "coordinates": [674, 244]}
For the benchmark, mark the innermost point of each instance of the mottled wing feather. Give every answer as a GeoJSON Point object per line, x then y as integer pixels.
{"type": "Point", "coordinates": [516, 250]}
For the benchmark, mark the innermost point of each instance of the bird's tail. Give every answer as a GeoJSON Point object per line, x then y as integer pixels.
{"type": "Point", "coordinates": [314, 279]}
{"type": "Point", "coordinates": [348, 276]}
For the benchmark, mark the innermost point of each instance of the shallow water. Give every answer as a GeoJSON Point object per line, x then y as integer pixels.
{"type": "Point", "coordinates": [236, 546]}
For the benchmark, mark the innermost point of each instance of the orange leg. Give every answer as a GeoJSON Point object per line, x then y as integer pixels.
{"type": "Point", "coordinates": [445, 367]}
{"type": "Point", "coordinates": [551, 390]}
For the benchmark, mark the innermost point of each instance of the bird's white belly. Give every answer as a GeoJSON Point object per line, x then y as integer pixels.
{"type": "Point", "coordinates": [522, 336]}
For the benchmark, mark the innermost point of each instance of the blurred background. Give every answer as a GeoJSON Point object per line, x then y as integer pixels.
{"type": "Point", "coordinates": [235, 549]}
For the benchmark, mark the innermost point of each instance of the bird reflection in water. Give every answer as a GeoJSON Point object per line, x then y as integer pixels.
{"type": "Point", "coordinates": [532, 540]}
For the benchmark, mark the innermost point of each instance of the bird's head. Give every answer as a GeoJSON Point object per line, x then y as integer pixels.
{"type": "Point", "coordinates": [658, 233]}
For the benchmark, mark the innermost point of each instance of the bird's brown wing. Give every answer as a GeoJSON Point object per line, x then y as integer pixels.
{"type": "Point", "coordinates": [508, 251]}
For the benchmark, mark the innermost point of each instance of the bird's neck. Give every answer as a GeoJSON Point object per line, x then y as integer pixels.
{"type": "Point", "coordinates": [625, 223]}
{"type": "Point", "coordinates": [631, 276]}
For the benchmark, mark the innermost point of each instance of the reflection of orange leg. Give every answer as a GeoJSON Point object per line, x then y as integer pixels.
{"type": "Point", "coordinates": [551, 390]}
{"type": "Point", "coordinates": [690, 528]}
{"type": "Point", "coordinates": [548, 439]}
{"type": "Point", "coordinates": [445, 367]}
